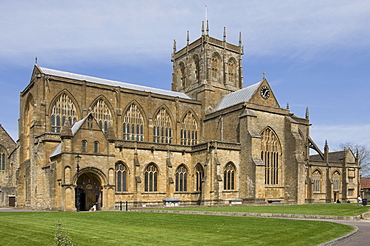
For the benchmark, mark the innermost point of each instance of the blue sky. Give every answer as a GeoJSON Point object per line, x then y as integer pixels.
{"type": "Point", "coordinates": [315, 53]}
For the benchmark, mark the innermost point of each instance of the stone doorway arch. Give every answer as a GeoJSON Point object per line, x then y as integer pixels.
{"type": "Point", "coordinates": [88, 191]}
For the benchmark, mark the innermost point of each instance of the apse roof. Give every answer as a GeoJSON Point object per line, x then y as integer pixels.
{"type": "Point", "coordinates": [242, 95]}
{"type": "Point", "coordinates": [96, 80]}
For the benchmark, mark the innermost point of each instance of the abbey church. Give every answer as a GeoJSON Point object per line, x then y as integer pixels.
{"type": "Point", "coordinates": [86, 141]}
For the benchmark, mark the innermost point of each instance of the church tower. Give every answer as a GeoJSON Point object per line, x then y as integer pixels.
{"type": "Point", "coordinates": [208, 68]}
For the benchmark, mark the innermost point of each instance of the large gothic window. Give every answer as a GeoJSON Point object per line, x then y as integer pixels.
{"type": "Point", "coordinates": [133, 124]}
{"type": "Point", "coordinates": [189, 130]}
{"type": "Point", "coordinates": [181, 178]}
{"type": "Point", "coordinates": [199, 174]}
{"type": "Point", "coordinates": [151, 178]}
{"type": "Point", "coordinates": [216, 67]}
{"type": "Point", "coordinates": [229, 177]}
{"type": "Point", "coordinates": [270, 154]}
{"type": "Point", "coordinates": [336, 181]}
{"type": "Point", "coordinates": [62, 110]}
{"type": "Point", "coordinates": [102, 114]}
{"type": "Point", "coordinates": [231, 68]}
{"type": "Point", "coordinates": [121, 177]}
{"type": "Point", "coordinates": [2, 159]}
{"type": "Point", "coordinates": [316, 180]}
{"type": "Point", "coordinates": [162, 130]}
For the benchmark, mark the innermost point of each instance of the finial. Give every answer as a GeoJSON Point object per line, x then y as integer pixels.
{"type": "Point", "coordinates": [264, 75]}
{"type": "Point", "coordinates": [307, 113]}
{"type": "Point", "coordinates": [202, 27]}
{"type": "Point", "coordinates": [287, 106]}
{"type": "Point", "coordinates": [36, 60]}
{"type": "Point", "coordinates": [326, 144]}
{"type": "Point", "coordinates": [174, 46]}
{"type": "Point", "coordinates": [187, 38]}
{"type": "Point", "coordinates": [207, 30]}
{"type": "Point", "coordinates": [224, 34]}
{"type": "Point", "coordinates": [240, 38]}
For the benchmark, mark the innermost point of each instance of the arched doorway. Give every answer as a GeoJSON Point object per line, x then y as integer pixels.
{"type": "Point", "coordinates": [88, 192]}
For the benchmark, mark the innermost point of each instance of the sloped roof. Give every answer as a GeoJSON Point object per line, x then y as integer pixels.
{"type": "Point", "coordinates": [91, 79]}
{"type": "Point", "coordinates": [242, 95]}
{"type": "Point", "coordinates": [365, 183]}
{"type": "Point", "coordinates": [333, 157]}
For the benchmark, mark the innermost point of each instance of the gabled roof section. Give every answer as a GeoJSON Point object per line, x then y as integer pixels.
{"type": "Point", "coordinates": [242, 95]}
{"type": "Point", "coordinates": [91, 79]}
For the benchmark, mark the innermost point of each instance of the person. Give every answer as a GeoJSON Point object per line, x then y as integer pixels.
{"type": "Point", "coordinates": [359, 199]}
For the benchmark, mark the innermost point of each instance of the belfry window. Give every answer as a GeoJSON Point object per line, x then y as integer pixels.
{"type": "Point", "coordinates": [102, 114]}
{"type": "Point", "coordinates": [121, 177]}
{"type": "Point", "coordinates": [229, 177]}
{"type": "Point", "coordinates": [151, 178]}
{"type": "Point", "coordinates": [189, 130]}
{"type": "Point", "coordinates": [181, 178]}
{"type": "Point", "coordinates": [2, 159]}
{"type": "Point", "coordinates": [216, 67]}
{"type": "Point", "coordinates": [62, 110]}
{"type": "Point", "coordinates": [270, 154]}
{"type": "Point", "coordinates": [133, 124]}
{"type": "Point", "coordinates": [231, 67]}
{"type": "Point", "coordinates": [162, 130]}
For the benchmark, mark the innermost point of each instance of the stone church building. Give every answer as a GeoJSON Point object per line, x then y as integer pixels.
{"type": "Point", "coordinates": [86, 141]}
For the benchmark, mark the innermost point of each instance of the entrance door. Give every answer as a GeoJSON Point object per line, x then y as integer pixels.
{"type": "Point", "coordinates": [88, 192]}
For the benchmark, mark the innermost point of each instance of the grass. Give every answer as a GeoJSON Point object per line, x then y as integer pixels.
{"type": "Point", "coordinates": [128, 228]}
{"type": "Point", "coordinates": [334, 209]}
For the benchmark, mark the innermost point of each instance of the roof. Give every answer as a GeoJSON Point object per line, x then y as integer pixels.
{"type": "Point", "coordinates": [365, 183]}
{"type": "Point", "coordinates": [242, 95]}
{"type": "Point", "coordinates": [333, 157]}
{"type": "Point", "coordinates": [91, 79]}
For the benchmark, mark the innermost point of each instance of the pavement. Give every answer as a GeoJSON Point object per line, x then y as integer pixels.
{"type": "Point", "coordinates": [360, 237]}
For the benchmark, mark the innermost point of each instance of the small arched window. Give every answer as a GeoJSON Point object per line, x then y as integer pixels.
{"type": "Point", "coordinates": [229, 177]}
{"type": "Point", "coordinates": [199, 174]}
{"type": "Point", "coordinates": [121, 177]}
{"type": "Point", "coordinates": [151, 178]}
{"type": "Point", "coordinates": [181, 178]}
{"type": "Point", "coordinates": [84, 146]}
{"type": "Point", "coordinates": [3, 159]}
{"type": "Point", "coordinates": [96, 147]}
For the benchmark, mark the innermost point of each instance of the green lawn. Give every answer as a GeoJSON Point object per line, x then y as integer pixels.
{"type": "Point", "coordinates": [335, 209]}
{"type": "Point", "coordinates": [130, 228]}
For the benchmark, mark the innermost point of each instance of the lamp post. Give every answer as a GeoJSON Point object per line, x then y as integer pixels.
{"type": "Point", "coordinates": [78, 158]}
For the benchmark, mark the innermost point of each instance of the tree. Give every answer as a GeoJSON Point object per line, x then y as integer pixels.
{"type": "Point", "coordinates": [363, 156]}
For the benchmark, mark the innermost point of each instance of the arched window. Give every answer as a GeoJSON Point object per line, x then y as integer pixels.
{"type": "Point", "coordinates": [121, 177]}
{"type": "Point", "coordinates": [2, 159]}
{"type": "Point", "coordinates": [62, 110]}
{"type": "Point", "coordinates": [336, 181]}
{"type": "Point", "coordinates": [102, 114]}
{"type": "Point", "coordinates": [133, 124]}
{"type": "Point", "coordinates": [189, 130]}
{"type": "Point", "coordinates": [216, 66]}
{"type": "Point", "coordinates": [231, 68]}
{"type": "Point", "coordinates": [316, 180]}
{"type": "Point", "coordinates": [162, 130]}
{"type": "Point", "coordinates": [181, 178]}
{"type": "Point", "coordinates": [229, 177]}
{"type": "Point", "coordinates": [151, 178]}
{"type": "Point", "coordinates": [199, 174]}
{"type": "Point", "coordinates": [181, 75]}
{"type": "Point", "coordinates": [197, 67]}
{"type": "Point", "coordinates": [83, 146]}
{"type": "Point", "coordinates": [270, 154]}
{"type": "Point", "coordinates": [96, 147]}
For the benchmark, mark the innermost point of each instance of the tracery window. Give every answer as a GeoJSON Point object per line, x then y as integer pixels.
{"type": "Point", "coordinates": [162, 130]}
{"type": "Point", "coordinates": [189, 130]}
{"type": "Point", "coordinates": [215, 66]}
{"type": "Point", "coordinates": [181, 178]}
{"type": "Point", "coordinates": [336, 181]}
{"type": "Point", "coordinates": [270, 154]}
{"type": "Point", "coordinates": [231, 68]}
{"type": "Point", "coordinates": [62, 110]}
{"type": "Point", "coordinates": [199, 174]}
{"type": "Point", "coordinates": [151, 178]}
{"type": "Point", "coordinates": [133, 124]}
{"type": "Point", "coordinates": [102, 114]}
{"type": "Point", "coordinates": [121, 177]}
{"type": "Point", "coordinates": [2, 159]}
{"type": "Point", "coordinates": [229, 177]}
{"type": "Point", "coordinates": [316, 180]}
{"type": "Point", "coordinates": [83, 146]}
